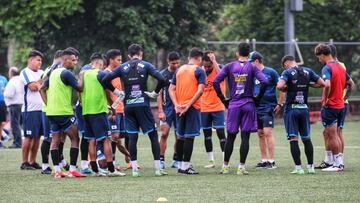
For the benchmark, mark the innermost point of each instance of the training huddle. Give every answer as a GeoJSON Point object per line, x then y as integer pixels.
{"type": "Point", "coordinates": [200, 95]}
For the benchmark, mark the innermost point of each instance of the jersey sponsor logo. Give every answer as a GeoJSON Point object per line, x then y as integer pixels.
{"type": "Point", "coordinates": [135, 101]}
{"type": "Point", "coordinates": [141, 65]}
{"type": "Point", "coordinates": [240, 77]}
{"type": "Point", "coordinates": [299, 97]}
{"type": "Point", "coordinates": [28, 132]}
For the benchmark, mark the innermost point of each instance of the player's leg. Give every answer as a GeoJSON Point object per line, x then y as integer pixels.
{"type": "Point", "coordinates": [262, 143]}
{"type": "Point", "coordinates": [15, 114]}
{"type": "Point", "coordinates": [232, 126]}
{"type": "Point", "coordinates": [37, 131]}
{"type": "Point", "coordinates": [341, 122]}
{"type": "Point", "coordinates": [45, 145]}
{"type": "Point", "coordinates": [292, 131]}
{"type": "Point", "coordinates": [248, 125]}
{"type": "Point", "coordinates": [26, 142]}
{"type": "Point", "coordinates": [219, 125]}
{"type": "Point", "coordinates": [206, 125]}
{"type": "Point", "coordinates": [165, 129]}
{"type": "Point", "coordinates": [268, 124]}
{"type": "Point", "coordinates": [304, 131]}
{"type": "Point", "coordinates": [132, 128]}
{"type": "Point", "coordinates": [174, 162]}
{"type": "Point", "coordinates": [329, 157]}
{"type": "Point", "coordinates": [54, 152]}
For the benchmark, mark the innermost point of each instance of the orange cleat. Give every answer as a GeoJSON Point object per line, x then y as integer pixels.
{"type": "Point", "coordinates": [59, 175]}
{"type": "Point", "coordinates": [75, 174]}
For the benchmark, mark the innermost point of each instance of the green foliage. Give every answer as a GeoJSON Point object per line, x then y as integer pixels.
{"type": "Point", "coordinates": [22, 19]}
{"type": "Point", "coordinates": [20, 58]}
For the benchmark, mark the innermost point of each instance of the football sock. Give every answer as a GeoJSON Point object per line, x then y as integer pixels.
{"type": "Point", "coordinates": [162, 158]}
{"type": "Point", "coordinates": [229, 146]}
{"type": "Point", "coordinates": [44, 166]}
{"type": "Point", "coordinates": [61, 150]}
{"type": "Point", "coordinates": [244, 147]}
{"type": "Point", "coordinates": [309, 151]}
{"type": "Point", "coordinates": [295, 152]}
{"type": "Point", "coordinates": [174, 156]}
{"type": "Point", "coordinates": [329, 157]}
{"type": "Point", "coordinates": [74, 153]}
{"type": "Point", "coordinates": [45, 150]}
{"type": "Point", "coordinates": [55, 156]}
{"type": "Point", "coordinates": [338, 159]}
{"type": "Point", "coordinates": [72, 168]}
{"type": "Point", "coordinates": [180, 149]}
{"type": "Point", "coordinates": [157, 164]}
{"type": "Point", "coordinates": [133, 138]}
{"type": "Point", "coordinates": [94, 166]}
{"type": "Point", "coordinates": [188, 149]}
{"type": "Point", "coordinates": [84, 164]}
{"type": "Point", "coordinates": [210, 156]}
{"type": "Point", "coordinates": [134, 165]}
{"type": "Point", "coordinates": [207, 139]}
{"type": "Point", "coordinates": [155, 145]}
{"type": "Point", "coordinates": [111, 166]}
{"type": "Point", "coordinates": [113, 148]}
{"type": "Point", "coordinates": [84, 148]}
{"type": "Point", "coordinates": [221, 135]}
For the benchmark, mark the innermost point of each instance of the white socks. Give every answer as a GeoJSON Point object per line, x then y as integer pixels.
{"type": "Point", "coordinates": [84, 164]}
{"type": "Point", "coordinates": [339, 159]}
{"type": "Point", "coordinates": [44, 166]}
{"type": "Point", "coordinates": [185, 165]}
{"type": "Point", "coordinates": [210, 156]}
{"type": "Point", "coordinates": [157, 164]}
{"type": "Point", "coordinates": [298, 167]}
{"type": "Point", "coordinates": [57, 168]}
{"type": "Point", "coordinates": [134, 165]}
{"type": "Point", "coordinates": [241, 167]}
{"type": "Point", "coordinates": [72, 168]}
{"type": "Point", "coordinates": [329, 158]}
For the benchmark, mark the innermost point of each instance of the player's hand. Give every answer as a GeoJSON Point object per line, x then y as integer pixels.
{"type": "Point", "coordinates": [119, 93]}
{"type": "Point", "coordinates": [277, 109]}
{"type": "Point", "coordinates": [211, 56]}
{"type": "Point", "coordinates": [162, 116]}
{"type": "Point", "coordinates": [152, 94]}
{"type": "Point", "coordinates": [178, 109]}
{"type": "Point", "coordinates": [226, 102]}
{"type": "Point", "coordinates": [184, 108]}
{"type": "Point", "coordinates": [113, 118]}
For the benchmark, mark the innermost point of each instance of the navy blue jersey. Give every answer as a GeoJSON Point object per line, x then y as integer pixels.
{"type": "Point", "coordinates": [268, 101]}
{"type": "Point", "coordinates": [86, 67]}
{"type": "Point", "coordinates": [134, 75]}
{"type": "Point", "coordinates": [168, 75]}
{"type": "Point", "coordinates": [298, 86]}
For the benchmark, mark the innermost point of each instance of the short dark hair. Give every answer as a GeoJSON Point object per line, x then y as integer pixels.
{"type": "Point", "coordinates": [322, 49]}
{"type": "Point", "coordinates": [96, 56]}
{"type": "Point", "coordinates": [58, 54]}
{"type": "Point", "coordinates": [244, 49]}
{"type": "Point", "coordinates": [196, 52]}
{"type": "Point", "coordinates": [135, 49]}
{"type": "Point", "coordinates": [287, 58]}
{"type": "Point", "coordinates": [75, 51]}
{"type": "Point", "coordinates": [206, 57]}
{"type": "Point", "coordinates": [333, 50]}
{"type": "Point", "coordinates": [14, 71]}
{"type": "Point", "coordinates": [173, 56]}
{"type": "Point", "coordinates": [34, 53]}
{"type": "Point", "coordinates": [111, 54]}
{"type": "Point", "coordinates": [68, 52]}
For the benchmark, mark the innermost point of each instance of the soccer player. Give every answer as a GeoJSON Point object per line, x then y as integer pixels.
{"type": "Point", "coordinates": [265, 111]}
{"type": "Point", "coordinates": [295, 81]}
{"type": "Point", "coordinates": [186, 88]}
{"type": "Point", "coordinates": [336, 79]}
{"type": "Point", "coordinates": [166, 108]}
{"type": "Point", "coordinates": [94, 109]}
{"type": "Point", "coordinates": [242, 111]}
{"type": "Point", "coordinates": [31, 109]}
{"type": "Point", "coordinates": [118, 133]}
{"type": "Point", "coordinates": [329, 158]}
{"type": "Point", "coordinates": [57, 93]}
{"type": "Point", "coordinates": [134, 75]}
{"type": "Point", "coordinates": [212, 109]}
{"type": "Point", "coordinates": [3, 110]}
{"type": "Point", "coordinates": [45, 145]}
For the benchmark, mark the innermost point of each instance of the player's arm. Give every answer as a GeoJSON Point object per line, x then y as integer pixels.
{"type": "Point", "coordinates": [69, 79]}
{"type": "Point", "coordinates": [161, 82]}
{"type": "Point", "coordinates": [160, 105]}
{"type": "Point", "coordinates": [280, 102]}
{"type": "Point", "coordinates": [106, 81]}
{"type": "Point", "coordinates": [326, 75]}
{"type": "Point", "coordinates": [201, 78]}
{"type": "Point", "coordinates": [281, 85]}
{"type": "Point", "coordinates": [43, 89]}
{"type": "Point", "coordinates": [216, 84]}
{"type": "Point", "coordinates": [263, 83]}
{"type": "Point", "coordinates": [213, 61]}
{"type": "Point", "coordinates": [350, 86]}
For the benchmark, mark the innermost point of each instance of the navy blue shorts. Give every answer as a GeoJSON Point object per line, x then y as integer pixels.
{"type": "Point", "coordinates": [80, 118]}
{"type": "Point", "coordinates": [61, 123]}
{"type": "Point", "coordinates": [170, 117]}
{"type": "Point", "coordinates": [46, 127]}
{"type": "Point", "coordinates": [189, 123]}
{"type": "Point", "coordinates": [342, 121]}
{"type": "Point", "coordinates": [330, 116]}
{"type": "Point", "coordinates": [139, 117]}
{"type": "Point", "coordinates": [213, 120]}
{"type": "Point", "coordinates": [117, 126]}
{"type": "Point", "coordinates": [3, 111]}
{"type": "Point", "coordinates": [32, 123]}
{"type": "Point", "coordinates": [96, 127]}
{"type": "Point", "coordinates": [265, 120]}
{"type": "Point", "coordinates": [297, 122]}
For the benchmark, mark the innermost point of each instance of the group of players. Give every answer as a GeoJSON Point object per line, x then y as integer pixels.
{"type": "Point", "coordinates": [114, 103]}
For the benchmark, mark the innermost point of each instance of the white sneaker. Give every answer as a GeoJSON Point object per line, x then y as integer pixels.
{"type": "Point", "coordinates": [211, 165]}
{"type": "Point", "coordinates": [333, 169]}
{"type": "Point", "coordinates": [116, 174]}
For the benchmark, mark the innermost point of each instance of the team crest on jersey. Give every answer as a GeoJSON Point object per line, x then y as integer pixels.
{"type": "Point", "coordinates": [257, 82]}
{"type": "Point", "coordinates": [293, 73]}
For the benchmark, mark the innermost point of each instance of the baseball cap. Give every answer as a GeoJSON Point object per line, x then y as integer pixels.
{"type": "Point", "coordinates": [255, 55]}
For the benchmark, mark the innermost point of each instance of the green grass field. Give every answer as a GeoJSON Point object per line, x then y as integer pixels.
{"type": "Point", "coordinates": [261, 185]}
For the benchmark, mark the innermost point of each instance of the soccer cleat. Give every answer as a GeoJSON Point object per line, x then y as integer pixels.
{"type": "Point", "coordinates": [99, 174]}
{"type": "Point", "coordinates": [298, 171]}
{"type": "Point", "coordinates": [75, 174]}
{"type": "Point", "coordinates": [180, 171]}
{"type": "Point", "coordinates": [65, 168]}
{"type": "Point", "coordinates": [271, 165]}
{"type": "Point", "coordinates": [311, 171]}
{"type": "Point", "coordinates": [174, 164]}
{"type": "Point", "coordinates": [86, 171]}
{"type": "Point", "coordinates": [36, 165]}
{"type": "Point", "coordinates": [211, 164]}
{"type": "Point", "coordinates": [323, 165]}
{"type": "Point", "coordinates": [46, 171]}
{"type": "Point", "coordinates": [160, 173]}
{"type": "Point", "coordinates": [261, 165]}
{"type": "Point", "coordinates": [59, 174]}
{"type": "Point", "coordinates": [190, 171]}
{"type": "Point", "coordinates": [135, 174]}
{"type": "Point", "coordinates": [241, 172]}
{"type": "Point", "coordinates": [334, 169]}
{"type": "Point", "coordinates": [26, 166]}
{"type": "Point", "coordinates": [162, 164]}
{"type": "Point", "coordinates": [225, 170]}
{"type": "Point", "coordinates": [116, 174]}
{"type": "Point", "coordinates": [104, 171]}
